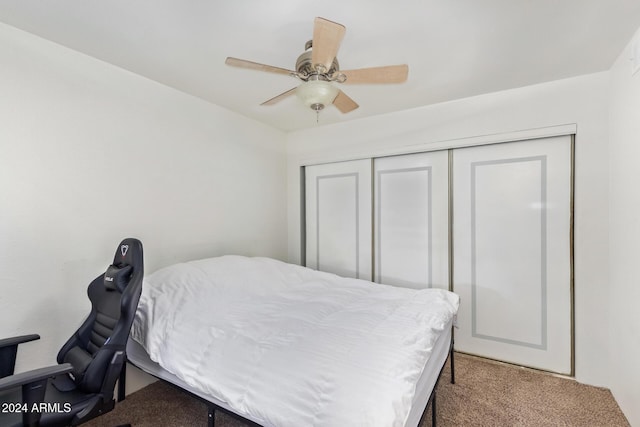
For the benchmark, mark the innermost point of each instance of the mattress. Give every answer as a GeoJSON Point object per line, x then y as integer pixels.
{"type": "Point", "coordinates": [283, 345]}
{"type": "Point", "coordinates": [137, 355]}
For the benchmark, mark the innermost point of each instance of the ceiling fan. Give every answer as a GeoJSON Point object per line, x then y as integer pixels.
{"type": "Point", "coordinates": [318, 69]}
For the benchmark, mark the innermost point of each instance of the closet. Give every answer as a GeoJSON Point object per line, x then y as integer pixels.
{"type": "Point", "coordinates": [490, 222]}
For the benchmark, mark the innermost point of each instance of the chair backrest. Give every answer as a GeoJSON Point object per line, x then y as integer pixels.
{"type": "Point", "coordinates": [114, 299]}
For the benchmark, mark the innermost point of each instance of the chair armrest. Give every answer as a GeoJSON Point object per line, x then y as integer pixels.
{"type": "Point", "coordinates": [9, 350]}
{"type": "Point", "coordinates": [36, 375]}
{"type": "Point", "coordinates": [6, 342]}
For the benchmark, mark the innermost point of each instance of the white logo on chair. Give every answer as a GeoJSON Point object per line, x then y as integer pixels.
{"type": "Point", "coordinates": [124, 249]}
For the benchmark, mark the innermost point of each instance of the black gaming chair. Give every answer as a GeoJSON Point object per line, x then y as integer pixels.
{"type": "Point", "coordinates": [81, 387]}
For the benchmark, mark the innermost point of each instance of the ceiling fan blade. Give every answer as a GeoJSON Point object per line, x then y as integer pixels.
{"type": "Point", "coordinates": [280, 97]}
{"type": "Point", "coordinates": [344, 103]}
{"type": "Point", "coordinates": [242, 63]}
{"type": "Point", "coordinates": [388, 74]}
{"type": "Point", "coordinates": [327, 36]}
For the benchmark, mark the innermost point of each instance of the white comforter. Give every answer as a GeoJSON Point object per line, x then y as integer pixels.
{"type": "Point", "coordinates": [289, 346]}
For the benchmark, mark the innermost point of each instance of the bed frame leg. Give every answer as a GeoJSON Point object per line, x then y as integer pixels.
{"type": "Point", "coordinates": [433, 409]}
{"type": "Point", "coordinates": [453, 370]}
{"type": "Point", "coordinates": [212, 416]}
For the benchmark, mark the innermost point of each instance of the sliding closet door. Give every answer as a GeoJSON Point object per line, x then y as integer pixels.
{"type": "Point", "coordinates": [411, 220]}
{"type": "Point", "coordinates": [338, 218]}
{"type": "Point", "coordinates": [512, 213]}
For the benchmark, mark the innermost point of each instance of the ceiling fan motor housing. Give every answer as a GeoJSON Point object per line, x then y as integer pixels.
{"type": "Point", "coordinates": [304, 65]}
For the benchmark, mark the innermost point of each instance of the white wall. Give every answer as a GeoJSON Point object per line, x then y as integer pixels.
{"type": "Point", "coordinates": [624, 207]}
{"type": "Point", "coordinates": [581, 101]}
{"type": "Point", "coordinates": [90, 154]}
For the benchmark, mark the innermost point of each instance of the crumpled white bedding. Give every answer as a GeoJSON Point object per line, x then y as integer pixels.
{"type": "Point", "coordinates": [289, 346]}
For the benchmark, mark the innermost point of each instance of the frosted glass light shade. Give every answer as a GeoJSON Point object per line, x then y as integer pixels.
{"type": "Point", "coordinates": [317, 94]}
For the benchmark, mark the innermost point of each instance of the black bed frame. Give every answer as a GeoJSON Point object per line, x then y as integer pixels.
{"type": "Point", "coordinates": [212, 407]}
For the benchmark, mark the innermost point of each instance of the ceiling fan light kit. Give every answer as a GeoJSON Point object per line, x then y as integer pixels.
{"type": "Point", "coordinates": [319, 71]}
{"type": "Point", "coordinates": [317, 93]}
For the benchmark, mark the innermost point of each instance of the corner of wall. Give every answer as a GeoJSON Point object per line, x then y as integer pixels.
{"type": "Point", "coordinates": [624, 207]}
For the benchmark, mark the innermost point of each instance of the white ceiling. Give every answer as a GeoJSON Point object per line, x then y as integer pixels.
{"type": "Point", "coordinates": [454, 48]}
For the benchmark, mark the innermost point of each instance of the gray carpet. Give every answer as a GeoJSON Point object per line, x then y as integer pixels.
{"type": "Point", "coordinates": [485, 394]}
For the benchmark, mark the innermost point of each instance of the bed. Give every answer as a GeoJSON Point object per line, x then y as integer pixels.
{"type": "Point", "coordinates": [282, 345]}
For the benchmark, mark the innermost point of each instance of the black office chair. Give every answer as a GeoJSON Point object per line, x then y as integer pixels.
{"type": "Point", "coordinates": [82, 386]}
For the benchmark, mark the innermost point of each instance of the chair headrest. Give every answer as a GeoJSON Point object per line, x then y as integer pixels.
{"type": "Point", "coordinates": [129, 252]}
{"type": "Point", "coordinates": [128, 260]}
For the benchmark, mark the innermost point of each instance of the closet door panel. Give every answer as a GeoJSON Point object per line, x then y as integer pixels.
{"type": "Point", "coordinates": [338, 218]}
{"type": "Point", "coordinates": [411, 220]}
{"type": "Point", "coordinates": [512, 213]}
